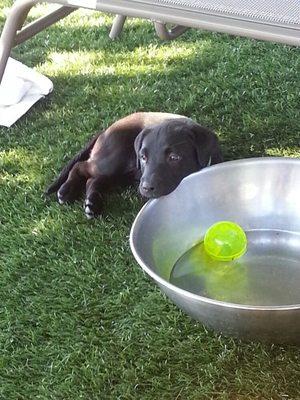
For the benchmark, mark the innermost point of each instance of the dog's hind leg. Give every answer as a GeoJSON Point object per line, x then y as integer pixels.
{"type": "Point", "coordinates": [75, 183]}
{"type": "Point", "coordinates": [83, 155]}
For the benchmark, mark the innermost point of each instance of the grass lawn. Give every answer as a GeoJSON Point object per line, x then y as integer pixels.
{"type": "Point", "coordinates": [78, 318]}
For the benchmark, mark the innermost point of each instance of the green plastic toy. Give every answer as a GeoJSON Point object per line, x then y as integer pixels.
{"type": "Point", "coordinates": [225, 241]}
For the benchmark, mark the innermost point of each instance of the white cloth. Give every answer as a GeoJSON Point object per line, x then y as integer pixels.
{"type": "Point", "coordinates": [20, 88]}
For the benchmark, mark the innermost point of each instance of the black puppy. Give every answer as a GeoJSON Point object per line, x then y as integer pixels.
{"type": "Point", "coordinates": [158, 149]}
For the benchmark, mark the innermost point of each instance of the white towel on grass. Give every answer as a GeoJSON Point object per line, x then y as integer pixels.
{"type": "Point", "coordinates": [20, 88]}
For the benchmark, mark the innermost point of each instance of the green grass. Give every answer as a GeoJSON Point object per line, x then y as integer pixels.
{"type": "Point", "coordinates": [78, 319]}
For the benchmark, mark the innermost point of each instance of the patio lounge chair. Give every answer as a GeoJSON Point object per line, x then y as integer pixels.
{"type": "Point", "coordinates": [274, 20]}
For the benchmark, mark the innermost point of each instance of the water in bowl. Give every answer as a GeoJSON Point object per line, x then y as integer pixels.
{"type": "Point", "coordinates": [267, 275]}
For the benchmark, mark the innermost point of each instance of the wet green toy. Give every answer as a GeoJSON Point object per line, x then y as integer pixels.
{"type": "Point", "coordinates": [225, 241]}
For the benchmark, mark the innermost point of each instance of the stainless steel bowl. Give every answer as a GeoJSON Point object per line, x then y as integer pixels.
{"type": "Point", "coordinates": [263, 196]}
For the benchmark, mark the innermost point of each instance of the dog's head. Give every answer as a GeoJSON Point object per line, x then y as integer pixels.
{"type": "Point", "coordinates": [170, 151]}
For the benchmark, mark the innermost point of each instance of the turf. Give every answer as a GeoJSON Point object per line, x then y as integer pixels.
{"type": "Point", "coordinates": [78, 319]}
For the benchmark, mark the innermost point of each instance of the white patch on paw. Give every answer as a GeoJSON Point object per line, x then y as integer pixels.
{"type": "Point", "coordinates": [88, 212]}
{"type": "Point", "coordinates": [60, 199]}
{"type": "Point", "coordinates": [88, 203]}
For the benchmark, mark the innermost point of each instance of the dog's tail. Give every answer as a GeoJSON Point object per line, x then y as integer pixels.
{"type": "Point", "coordinates": [83, 155]}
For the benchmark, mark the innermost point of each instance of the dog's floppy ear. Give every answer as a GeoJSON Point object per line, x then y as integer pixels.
{"type": "Point", "coordinates": [206, 145]}
{"type": "Point", "coordinates": [138, 144]}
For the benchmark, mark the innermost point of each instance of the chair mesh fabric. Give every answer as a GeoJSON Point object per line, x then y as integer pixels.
{"type": "Point", "coordinates": [266, 11]}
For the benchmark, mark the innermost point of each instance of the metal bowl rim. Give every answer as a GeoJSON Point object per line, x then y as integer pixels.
{"type": "Point", "coordinates": [158, 279]}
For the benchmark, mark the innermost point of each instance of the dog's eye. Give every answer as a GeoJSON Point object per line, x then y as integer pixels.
{"type": "Point", "coordinates": [143, 157]}
{"type": "Point", "coordinates": [174, 157]}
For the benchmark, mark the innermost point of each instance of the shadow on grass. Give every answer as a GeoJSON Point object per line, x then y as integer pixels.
{"type": "Point", "coordinates": [247, 123]}
{"type": "Point", "coordinates": [242, 89]}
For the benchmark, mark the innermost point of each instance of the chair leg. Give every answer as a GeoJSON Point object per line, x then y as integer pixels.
{"type": "Point", "coordinates": [117, 26]}
{"type": "Point", "coordinates": [15, 19]}
{"type": "Point", "coordinates": [13, 33]}
{"type": "Point", "coordinates": [42, 23]}
{"type": "Point", "coordinates": [169, 34]}
{"type": "Point", "coordinates": [161, 29]}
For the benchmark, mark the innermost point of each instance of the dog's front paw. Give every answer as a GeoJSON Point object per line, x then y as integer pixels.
{"type": "Point", "coordinates": [68, 193]}
{"type": "Point", "coordinates": [93, 205]}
